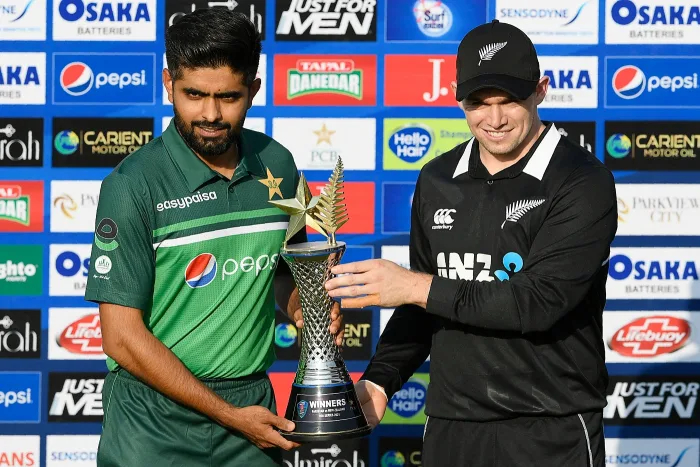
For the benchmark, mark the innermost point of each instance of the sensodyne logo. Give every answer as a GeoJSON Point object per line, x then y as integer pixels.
{"type": "Point", "coordinates": [185, 202]}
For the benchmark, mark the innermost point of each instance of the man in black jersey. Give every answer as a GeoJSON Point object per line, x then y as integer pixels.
{"type": "Point", "coordinates": [509, 246]}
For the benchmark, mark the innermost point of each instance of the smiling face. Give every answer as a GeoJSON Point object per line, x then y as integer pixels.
{"type": "Point", "coordinates": [503, 125]}
{"type": "Point", "coordinates": [210, 106]}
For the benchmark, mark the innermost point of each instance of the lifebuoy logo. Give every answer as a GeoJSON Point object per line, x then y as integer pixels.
{"type": "Point", "coordinates": [648, 336]}
{"type": "Point", "coordinates": [75, 334]}
{"type": "Point", "coordinates": [651, 336]}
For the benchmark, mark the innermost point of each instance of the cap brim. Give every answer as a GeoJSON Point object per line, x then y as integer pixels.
{"type": "Point", "coordinates": [519, 88]}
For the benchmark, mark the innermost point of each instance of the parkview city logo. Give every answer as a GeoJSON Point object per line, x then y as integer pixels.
{"type": "Point", "coordinates": [21, 206]}
{"type": "Point", "coordinates": [326, 80]}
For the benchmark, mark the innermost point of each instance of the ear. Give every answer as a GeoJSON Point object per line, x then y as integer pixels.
{"type": "Point", "coordinates": [541, 89]}
{"type": "Point", "coordinates": [168, 83]}
{"type": "Point", "coordinates": [254, 88]}
{"type": "Point", "coordinates": [453, 86]}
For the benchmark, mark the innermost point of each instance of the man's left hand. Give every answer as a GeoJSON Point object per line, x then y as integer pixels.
{"type": "Point", "coordinates": [336, 328]}
{"type": "Point", "coordinates": [382, 283]}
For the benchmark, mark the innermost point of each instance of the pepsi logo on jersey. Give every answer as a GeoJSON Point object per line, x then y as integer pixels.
{"type": "Point", "coordinates": [202, 269]}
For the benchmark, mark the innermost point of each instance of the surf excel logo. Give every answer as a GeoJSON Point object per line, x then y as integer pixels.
{"type": "Point", "coordinates": [104, 20]}
{"type": "Point", "coordinates": [652, 82]}
{"type": "Point", "coordinates": [432, 20]}
{"type": "Point", "coordinates": [104, 79]}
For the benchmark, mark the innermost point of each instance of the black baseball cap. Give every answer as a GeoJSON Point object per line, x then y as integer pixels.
{"type": "Point", "coordinates": [497, 55]}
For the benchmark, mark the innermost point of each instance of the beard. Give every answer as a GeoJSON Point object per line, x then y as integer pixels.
{"type": "Point", "coordinates": [208, 147]}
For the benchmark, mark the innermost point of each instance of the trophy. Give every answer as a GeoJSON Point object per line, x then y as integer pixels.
{"type": "Point", "coordinates": [323, 404]}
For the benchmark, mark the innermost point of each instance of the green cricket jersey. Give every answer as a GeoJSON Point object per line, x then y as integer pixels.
{"type": "Point", "coordinates": [196, 252]}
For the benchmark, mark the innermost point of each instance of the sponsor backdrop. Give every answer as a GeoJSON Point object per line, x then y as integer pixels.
{"type": "Point", "coordinates": [368, 81]}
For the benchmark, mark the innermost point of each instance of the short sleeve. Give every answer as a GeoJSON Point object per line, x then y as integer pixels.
{"type": "Point", "coordinates": [122, 263]}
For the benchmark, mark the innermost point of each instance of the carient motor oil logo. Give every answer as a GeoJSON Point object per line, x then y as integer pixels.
{"type": "Point", "coordinates": [651, 336]}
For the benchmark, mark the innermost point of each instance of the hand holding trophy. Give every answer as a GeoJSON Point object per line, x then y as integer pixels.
{"type": "Point", "coordinates": [323, 404]}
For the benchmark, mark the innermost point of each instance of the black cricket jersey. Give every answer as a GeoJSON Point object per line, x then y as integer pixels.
{"type": "Point", "coordinates": [513, 322]}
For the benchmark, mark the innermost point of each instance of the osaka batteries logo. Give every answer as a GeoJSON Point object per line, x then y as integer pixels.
{"type": "Point", "coordinates": [629, 82]}
{"type": "Point", "coordinates": [77, 78]}
{"type": "Point", "coordinates": [201, 271]}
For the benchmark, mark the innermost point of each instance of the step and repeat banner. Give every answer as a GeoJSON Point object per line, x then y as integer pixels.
{"type": "Point", "coordinates": [368, 81]}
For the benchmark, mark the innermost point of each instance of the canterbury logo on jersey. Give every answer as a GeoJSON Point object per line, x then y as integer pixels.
{"type": "Point", "coordinates": [463, 266]}
{"type": "Point", "coordinates": [185, 202]}
{"type": "Point", "coordinates": [443, 219]}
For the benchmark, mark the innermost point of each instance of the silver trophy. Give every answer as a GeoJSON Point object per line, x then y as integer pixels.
{"type": "Point", "coordinates": [323, 404]}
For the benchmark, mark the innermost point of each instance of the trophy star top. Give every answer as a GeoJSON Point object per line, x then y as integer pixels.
{"type": "Point", "coordinates": [301, 209]}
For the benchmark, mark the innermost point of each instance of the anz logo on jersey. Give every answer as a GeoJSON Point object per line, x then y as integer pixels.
{"type": "Point", "coordinates": [458, 266]}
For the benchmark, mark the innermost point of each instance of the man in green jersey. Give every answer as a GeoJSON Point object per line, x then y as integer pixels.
{"type": "Point", "coordinates": [185, 267]}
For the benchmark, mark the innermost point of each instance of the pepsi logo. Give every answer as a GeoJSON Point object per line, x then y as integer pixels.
{"type": "Point", "coordinates": [77, 78]}
{"type": "Point", "coordinates": [629, 82]}
{"type": "Point", "coordinates": [201, 271]}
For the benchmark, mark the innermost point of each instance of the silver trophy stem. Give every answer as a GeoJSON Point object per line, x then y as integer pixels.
{"type": "Point", "coordinates": [320, 362]}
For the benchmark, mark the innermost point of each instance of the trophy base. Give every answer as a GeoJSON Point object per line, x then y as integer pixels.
{"type": "Point", "coordinates": [325, 413]}
{"type": "Point", "coordinates": [303, 438]}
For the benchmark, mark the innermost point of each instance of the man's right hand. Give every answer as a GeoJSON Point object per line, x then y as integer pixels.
{"type": "Point", "coordinates": [372, 400]}
{"type": "Point", "coordinates": [257, 424]}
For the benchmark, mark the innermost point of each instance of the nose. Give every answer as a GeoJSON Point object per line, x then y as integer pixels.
{"type": "Point", "coordinates": [496, 117]}
{"type": "Point", "coordinates": [210, 110]}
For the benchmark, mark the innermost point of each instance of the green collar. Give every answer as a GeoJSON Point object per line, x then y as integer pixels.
{"type": "Point", "coordinates": [196, 172]}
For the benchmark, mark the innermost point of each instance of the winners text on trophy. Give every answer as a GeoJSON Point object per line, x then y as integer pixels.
{"type": "Point", "coordinates": [323, 404]}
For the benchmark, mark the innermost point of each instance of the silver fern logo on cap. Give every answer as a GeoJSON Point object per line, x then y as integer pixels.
{"type": "Point", "coordinates": [488, 51]}
{"type": "Point", "coordinates": [518, 209]}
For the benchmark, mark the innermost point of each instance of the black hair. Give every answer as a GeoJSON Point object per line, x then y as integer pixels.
{"type": "Point", "coordinates": [211, 38]}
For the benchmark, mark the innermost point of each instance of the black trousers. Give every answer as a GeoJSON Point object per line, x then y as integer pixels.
{"type": "Point", "coordinates": [574, 441]}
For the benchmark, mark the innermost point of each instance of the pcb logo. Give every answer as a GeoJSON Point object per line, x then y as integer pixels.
{"type": "Point", "coordinates": [302, 408]}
